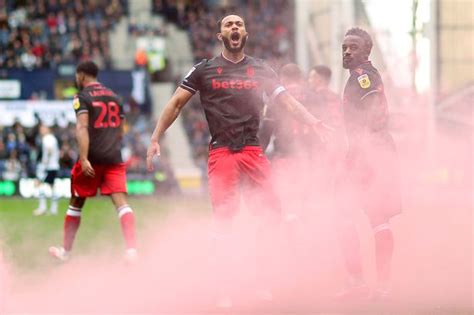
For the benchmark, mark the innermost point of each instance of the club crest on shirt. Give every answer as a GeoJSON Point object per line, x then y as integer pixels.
{"type": "Point", "coordinates": [250, 71]}
{"type": "Point", "coordinates": [364, 81]}
{"type": "Point", "coordinates": [75, 103]}
{"type": "Point", "coordinates": [219, 70]}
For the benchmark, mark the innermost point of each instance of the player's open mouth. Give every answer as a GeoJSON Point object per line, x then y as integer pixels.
{"type": "Point", "coordinates": [234, 38]}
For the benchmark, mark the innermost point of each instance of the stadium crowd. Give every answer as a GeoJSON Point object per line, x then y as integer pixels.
{"type": "Point", "coordinates": [269, 22]}
{"type": "Point", "coordinates": [45, 33]}
{"type": "Point", "coordinates": [20, 149]}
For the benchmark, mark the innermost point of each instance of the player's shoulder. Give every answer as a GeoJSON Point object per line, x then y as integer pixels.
{"type": "Point", "coordinates": [109, 92]}
{"type": "Point", "coordinates": [198, 67]}
{"type": "Point", "coordinates": [256, 61]}
{"type": "Point", "coordinates": [204, 62]}
{"type": "Point", "coordinates": [51, 139]}
{"type": "Point", "coordinates": [82, 94]}
{"type": "Point", "coordinates": [365, 76]}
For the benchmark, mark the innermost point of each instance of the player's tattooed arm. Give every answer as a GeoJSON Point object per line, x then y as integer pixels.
{"type": "Point", "coordinates": [166, 119]}
{"type": "Point", "coordinates": [82, 135]}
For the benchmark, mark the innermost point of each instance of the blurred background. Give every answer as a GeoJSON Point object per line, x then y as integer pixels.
{"type": "Point", "coordinates": [423, 49]}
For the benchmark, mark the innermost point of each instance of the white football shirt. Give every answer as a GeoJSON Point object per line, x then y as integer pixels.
{"type": "Point", "coordinates": [50, 158]}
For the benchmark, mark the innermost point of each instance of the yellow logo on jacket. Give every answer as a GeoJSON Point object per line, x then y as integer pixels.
{"type": "Point", "coordinates": [364, 81]}
{"type": "Point", "coordinates": [75, 103]}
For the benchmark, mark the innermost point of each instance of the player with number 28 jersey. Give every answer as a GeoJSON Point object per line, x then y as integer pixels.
{"type": "Point", "coordinates": [99, 133]}
{"type": "Point", "coordinates": [105, 115]}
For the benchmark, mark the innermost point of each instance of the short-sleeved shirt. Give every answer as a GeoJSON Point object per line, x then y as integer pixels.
{"type": "Point", "coordinates": [232, 96]}
{"type": "Point", "coordinates": [105, 122]}
{"type": "Point", "coordinates": [331, 108]}
{"type": "Point", "coordinates": [291, 136]}
{"type": "Point", "coordinates": [360, 121]}
{"type": "Point", "coordinates": [50, 152]}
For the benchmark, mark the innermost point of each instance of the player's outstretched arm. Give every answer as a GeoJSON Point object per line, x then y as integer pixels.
{"type": "Point", "coordinates": [167, 117]}
{"type": "Point", "coordinates": [82, 135]}
{"type": "Point", "coordinates": [300, 113]}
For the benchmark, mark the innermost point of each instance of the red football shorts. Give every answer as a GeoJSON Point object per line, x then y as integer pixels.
{"type": "Point", "coordinates": [232, 172]}
{"type": "Point", "coordinates": [110, 178]}
{"type": "Point", "coordinates": [371, 181]}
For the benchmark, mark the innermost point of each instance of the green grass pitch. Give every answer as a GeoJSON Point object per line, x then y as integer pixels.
{"type": "Point", "coordinates": [25, 238]}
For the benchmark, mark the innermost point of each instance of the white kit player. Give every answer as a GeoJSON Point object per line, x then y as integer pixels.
{"type": "Point", "coordinates": [47, 171]}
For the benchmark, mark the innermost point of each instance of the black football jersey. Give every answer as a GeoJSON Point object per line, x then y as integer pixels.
{"type": "Point", "coordinates": [290, 135]}
{"type": "Point", "coordinates": [105, 119]}
{"type": "Point", "coordinates": [232, 96]}
{"type": "Point", "coordinates": [364, 81]}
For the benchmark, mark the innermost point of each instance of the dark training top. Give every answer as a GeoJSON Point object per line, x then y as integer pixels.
{"type": "Point", "coordinates": [290, 135]}
{"type": "Point", "coordinates": [105, 119]}
{"type": "Point", "coordinates": [361, 122]}
{"type": "Point", "coordinates": [232, 97]}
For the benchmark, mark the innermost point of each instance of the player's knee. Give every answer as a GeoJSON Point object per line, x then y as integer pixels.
{"type": "Point", "coordinates": [77, 202]}
{"type": "Point", "coordinates": [123, 210]}
{"type": "Point", "coordinates": [381, 227]}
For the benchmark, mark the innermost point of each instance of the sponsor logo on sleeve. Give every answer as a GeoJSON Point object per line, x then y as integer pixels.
{"type": "Point", "coordinates": [189, 73]}
{"type": "Point", "coordinates": [75, 103]}
{"type": "Point", "coordinates": [364, 81]}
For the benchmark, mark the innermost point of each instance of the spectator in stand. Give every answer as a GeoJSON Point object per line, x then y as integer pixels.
{"type": "Point", "coordinates": [13, 168]}
{"type": "Point", "coordinates": [38, 34]}
{"type": "Point", "coordinates": [3, 156]}
{"type": "Point", "coordinates": [67, 158]}
{"type": "Point", "coordinates": [11, 142]}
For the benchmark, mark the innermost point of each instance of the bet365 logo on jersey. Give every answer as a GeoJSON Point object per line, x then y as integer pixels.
{"type": "Point", "coordinates": [234, 84]}
{"type": "Point", "coordinates": [364, 81]}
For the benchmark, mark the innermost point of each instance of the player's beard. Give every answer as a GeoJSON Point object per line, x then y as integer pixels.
{"type": "Point", "coordinates": [234, 50]}
{"type": "Point", "coordinates": [353, 62]}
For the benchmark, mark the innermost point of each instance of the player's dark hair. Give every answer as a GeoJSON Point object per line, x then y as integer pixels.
{"type": "Point", "coordinates": [323, 71]}
{"type": "Point", "coordinates": [219, 22]}
{"type": "Point", "coordinates": [356, 31]}
{"type": "Point", "coordinates": [88, 67]}
{"type": "Point", "coordinates": [291, 71]}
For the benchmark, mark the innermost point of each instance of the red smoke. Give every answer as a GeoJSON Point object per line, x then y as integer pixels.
{"type": "Point", "coordinates": [432, 268]}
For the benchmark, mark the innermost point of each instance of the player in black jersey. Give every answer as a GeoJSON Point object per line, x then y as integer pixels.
{"type": "Point", "coordinates": [100, 166]}
{"type": "Point", "coordinates": [231, 86]}
{"type": "Point", "coordinates": [370, 177]}
{"type": "Point", "coordinates": [290, 136]}
{"type": "Point", "coordinates": [292, 143]}
{"type": "Point", "coordinates": [329, 109]}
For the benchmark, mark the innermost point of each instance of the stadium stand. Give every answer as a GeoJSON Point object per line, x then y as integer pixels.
{"type": "Point", "coordinates": [268, 23]}
{"type": "Point", "coordinates": [45, 33]}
